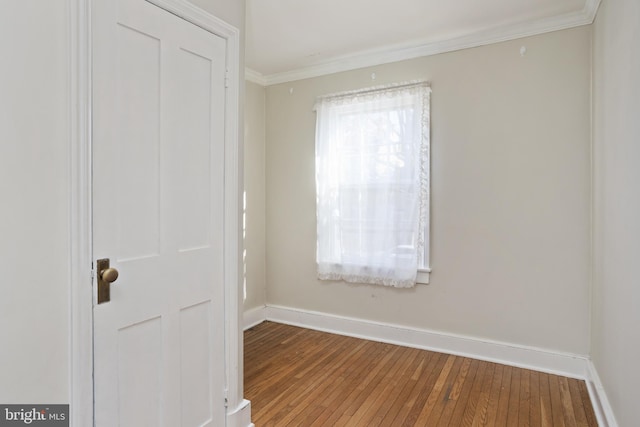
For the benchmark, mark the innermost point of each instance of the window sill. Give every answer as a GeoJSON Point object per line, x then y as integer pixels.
{"type": "Point", "coordinates": [423, 276]}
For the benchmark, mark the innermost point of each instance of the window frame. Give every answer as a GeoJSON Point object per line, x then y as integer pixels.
{"type": "Point", "coordinates": [424, 264]}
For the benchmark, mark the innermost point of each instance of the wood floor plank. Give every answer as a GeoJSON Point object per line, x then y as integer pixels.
{"type": "Point", "coordinates": [337, 382]}
{"type": "Point", "coordinates": [546, 412]}
{"type": "Point", "coordinates": [399, 411]}
{"type": "Point", "coordinates": [586, 404]}
{"type": "Point", "coordinates": [460, 379]}
{"type": "Point", "coordinates": [390, 397]}
{"type": "Point", "coordinates": [454, 392]}
{"type": "Point", "coordinates": [286, 381]}
{"type": "Point", "coordinates": [348, 390]}
{"type": "Point", "coordinates": [576, 401]}
{"type": "Point", "coordinates": [505, 394]}
{"type": "Point", "coordinates": [471, 405]}
{"type": "Point", "coordinates": [435, 370]}
{"type": "Point", "coordinates": [431, 411]}
{"type": "Point", "coordinates": [514, 398]}
{"type": "Point", "coordinates": [304, 378]}
{"type": "Point", "coordinates": [454, 415]}
{"type": "Point", "coordinates": [315, 383]}
{"type": "Point", "coordinates": [525, 398]}
{"type": "Point", "coordinates": [567, 407]}
{"type": "Point", "coordinates": [345, 399]}
{"type": "Point", "coordinates": [378, 396]}
{"type": "Point", "coordinates": [556, 402]}
{"type": "Point", "coordinates": [482, 407]}
{"type": "Point", "coordinates": [373, 378]}
{"type": "Point", "coordinates": [534, 408]}
{"type": "Point", "coordinates": [494, 397]}
{"type": "Point", "coordinates": [287, 375]}
{"type": "Point", "coordinates": [282, 350]}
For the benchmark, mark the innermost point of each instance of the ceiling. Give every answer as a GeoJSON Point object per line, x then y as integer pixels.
{"type": "Point", "coordinates": [293, 39]}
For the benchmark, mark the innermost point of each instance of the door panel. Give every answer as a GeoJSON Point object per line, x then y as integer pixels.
{"type": "Point", "coordinates": [158, 161]}
{"type": "Point", "coordinates": [136, 169]}
{"type": "Point", "coordinates": [140, 385]}
{"type": "Point", "coordinates": [193, 155]}
{"type": "Point", "coordinates": [195, 356]}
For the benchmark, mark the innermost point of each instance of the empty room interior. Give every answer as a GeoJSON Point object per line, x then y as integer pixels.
{"type": "Point", "coordinates": [416, 212]}
{"type": "Point", "coordinates": [533, 191]}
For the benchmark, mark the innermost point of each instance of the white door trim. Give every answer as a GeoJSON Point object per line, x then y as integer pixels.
{"type": "Point", "coordinates": [80, 292]}
{"type": "Point", "coordinates": [80, 238]}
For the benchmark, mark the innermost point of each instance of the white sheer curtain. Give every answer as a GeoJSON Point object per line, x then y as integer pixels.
{"type": "Point", "coordinates": [372, 181]}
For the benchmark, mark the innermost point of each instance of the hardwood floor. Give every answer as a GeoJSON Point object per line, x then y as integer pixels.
{"type": "Point", "coordinates": [301, 377]}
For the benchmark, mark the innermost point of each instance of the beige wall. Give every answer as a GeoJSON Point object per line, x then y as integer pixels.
{"type": "Point", "coordinates": [510, 195]}
{"type": "Point", "coordinates": [616, 307]}
{"type": "Point", "coordinates": [254, 185]}
{"type": "Point", "coordinates": [34, 218]}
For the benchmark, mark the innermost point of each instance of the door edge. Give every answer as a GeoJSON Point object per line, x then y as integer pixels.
{"type": "Point", "coordinates": [81, 289]}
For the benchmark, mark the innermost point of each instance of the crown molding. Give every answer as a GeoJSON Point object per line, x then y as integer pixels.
{"type": "Point", "coordinates": [395, 53]}
{"type": "Point", "coordinates": [254, 77]}
{"type": "Point", "coordinates": [591, 9]}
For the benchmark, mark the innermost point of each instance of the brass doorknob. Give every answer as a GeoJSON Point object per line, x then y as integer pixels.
{"type": "Point", "coordinates": [109, 275]}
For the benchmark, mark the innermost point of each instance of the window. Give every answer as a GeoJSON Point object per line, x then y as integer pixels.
{"type": "Point", "coordinates": [372, 184]}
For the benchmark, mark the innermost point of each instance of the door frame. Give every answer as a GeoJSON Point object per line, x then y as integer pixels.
{"type": "Point", "coordinates": [81, 396]}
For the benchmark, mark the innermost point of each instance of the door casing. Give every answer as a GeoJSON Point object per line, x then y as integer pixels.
{"type": "Point", "coordinates": [82, 279]}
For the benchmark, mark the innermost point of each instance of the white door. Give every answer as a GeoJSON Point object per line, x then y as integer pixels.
{"type": "Point", "coordinates": [158, 168]}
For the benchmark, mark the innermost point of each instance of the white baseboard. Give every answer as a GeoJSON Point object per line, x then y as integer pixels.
{"type": "Point", "coordinates": [599, 399]}
{"type": "Point", "coordinates": [568, 365]}
{"type": "Point", "coordinates": [240, 416]}
{"type": "Point", "coordinates": [253, 317]}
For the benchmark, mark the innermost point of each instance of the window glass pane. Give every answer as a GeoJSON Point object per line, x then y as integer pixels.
{"type": "Point", "coordinates": [372, 181]}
